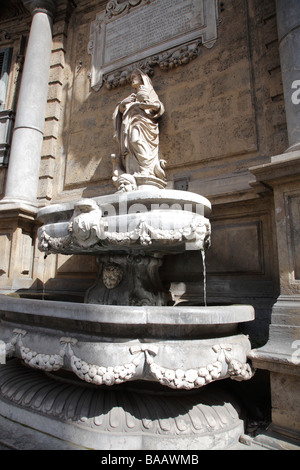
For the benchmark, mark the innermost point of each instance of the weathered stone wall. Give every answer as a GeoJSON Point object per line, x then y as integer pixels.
{"type": "Point", "coordinates": [224, 110]}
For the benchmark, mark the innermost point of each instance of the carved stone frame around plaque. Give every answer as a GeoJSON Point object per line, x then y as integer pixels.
{"type": "Point", "coordinates": [146, 33]}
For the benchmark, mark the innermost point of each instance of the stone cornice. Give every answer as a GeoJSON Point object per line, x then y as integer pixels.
{"type": "Point", "coordinates": [281, 168]}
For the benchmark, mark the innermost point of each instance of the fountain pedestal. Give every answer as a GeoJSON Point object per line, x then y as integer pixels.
{"type": "Point", "coordinates": [128, 280]}
{"type": "Point", "coordinates": [130, 233]}
{"type": "Point", "coordinates": [123, 377]}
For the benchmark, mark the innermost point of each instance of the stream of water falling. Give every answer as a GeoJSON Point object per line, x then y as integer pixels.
{"type": "Point", "coordinates": [204, 277]}
{"type": "Point", "coordinates": [43, 280]}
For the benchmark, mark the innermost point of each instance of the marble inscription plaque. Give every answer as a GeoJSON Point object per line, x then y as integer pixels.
{"type": "Point", "coordinates": [160, 22]}
{"type": "Point", "coordinates": [124, 36]}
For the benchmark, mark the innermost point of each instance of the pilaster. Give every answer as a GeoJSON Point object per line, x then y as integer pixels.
{"type": "Point", "coordinates": [281, 354]}
{"type": "Point", "coordinates": [288, 23]}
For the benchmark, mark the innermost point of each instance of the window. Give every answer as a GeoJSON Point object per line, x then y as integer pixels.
{"type": "Point", "coordinates": [6, 115]}
{"type": "Point", "coordinates": [5, 59]}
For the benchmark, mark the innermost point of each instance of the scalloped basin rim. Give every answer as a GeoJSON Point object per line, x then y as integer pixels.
{"type": "Point", "coordinates": [116, 314]}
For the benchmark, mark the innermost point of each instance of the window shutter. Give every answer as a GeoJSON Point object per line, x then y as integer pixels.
{"type": "Point", "coordinates": [1, 62]}
{"type": "Point", "coordinates": [5, 59]}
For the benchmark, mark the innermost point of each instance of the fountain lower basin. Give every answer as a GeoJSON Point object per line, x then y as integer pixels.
{"type": "Point", "coordinates": [179, 347]}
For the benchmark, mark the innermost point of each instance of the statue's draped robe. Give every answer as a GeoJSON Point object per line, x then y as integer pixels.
{"type": "Point", "coordinates": [136, 130]}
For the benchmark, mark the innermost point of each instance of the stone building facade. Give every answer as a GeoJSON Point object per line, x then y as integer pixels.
{"type": "Point", "coordinates": [230, 133]}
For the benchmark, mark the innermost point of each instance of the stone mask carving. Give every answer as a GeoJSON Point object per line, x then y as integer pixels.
{"type": "Point", "coordinates": [112, 275]}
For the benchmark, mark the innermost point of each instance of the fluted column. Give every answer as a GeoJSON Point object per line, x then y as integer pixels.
{"type": "Point", "coordinates": [23, 170]}
{"type": "Point", "coordinates": [288, 23]}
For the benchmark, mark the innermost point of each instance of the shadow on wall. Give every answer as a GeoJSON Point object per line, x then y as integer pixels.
{"type": "Point", "coordinates": [184, 275]}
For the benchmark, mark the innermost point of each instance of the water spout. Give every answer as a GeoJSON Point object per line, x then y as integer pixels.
{"type": "Point", "coordinates": [204, 276]}
{"type": "Point", "coordinates": [43, 280]}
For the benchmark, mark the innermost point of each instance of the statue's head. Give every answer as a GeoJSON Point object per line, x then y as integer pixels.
{"type": "Point", "coordinates": [136, 79]}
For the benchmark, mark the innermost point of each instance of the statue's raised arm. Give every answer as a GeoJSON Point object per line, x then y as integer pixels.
{"type": "Point", "coordinates": [137, 133]}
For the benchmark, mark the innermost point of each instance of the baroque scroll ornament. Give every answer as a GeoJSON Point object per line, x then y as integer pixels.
{"type": "Point", "coordinates": [113, 8]}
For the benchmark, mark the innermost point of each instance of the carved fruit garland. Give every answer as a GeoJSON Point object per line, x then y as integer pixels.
{"type": "Point", "coordinates": [223, 366]}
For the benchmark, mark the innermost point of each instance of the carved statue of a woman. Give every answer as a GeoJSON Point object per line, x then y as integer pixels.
{"type": "Point", "coordinates": [136, 131]}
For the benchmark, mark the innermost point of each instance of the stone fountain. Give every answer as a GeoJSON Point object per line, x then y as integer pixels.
{"type": "Point", "coordinates": [127, 369]}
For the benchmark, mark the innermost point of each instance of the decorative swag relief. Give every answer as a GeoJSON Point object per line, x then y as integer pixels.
{"type": "Point", "coordinates": [87, 229]}
{"type": "Point", "coordinates": [148, 33]}
{"type": "Point", "coordinates": [142, 365]}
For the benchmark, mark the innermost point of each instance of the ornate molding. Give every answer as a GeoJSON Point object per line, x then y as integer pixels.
{"type": "Point", "coordinates": [174, 44]}
{"type": "Point", "coordinates": [198, 377]}
{"type": "Point", "coordinates": [87, 229]}
{"type": "Point", "coordinates": [143, 234]}
{"type": "Point", "coordinates": [142, 366]}
{"type": "Point", "coordinates": [166, 60]}
{"type": "Point", "coordinates": [42, 361]}
{"type": "Point", "coordinates": [100, 375]}
{"type": "Point", "coordinates": [113, 8]}
{"type": "Point", "coordinates": [53, 244]}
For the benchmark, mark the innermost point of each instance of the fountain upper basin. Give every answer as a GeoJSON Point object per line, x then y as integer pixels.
{"type": "Point", "coordinates": [153, 221]}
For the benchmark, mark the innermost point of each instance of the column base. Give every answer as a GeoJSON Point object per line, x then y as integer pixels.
{"type": "Point", "coordinates": [17, 240]}
{"type": "Point", "coordinates": [293, 148]}
{"type": "Point", "coordinates": [21, 205]}
{"type": "Point", "coordinates": [281, 356]}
